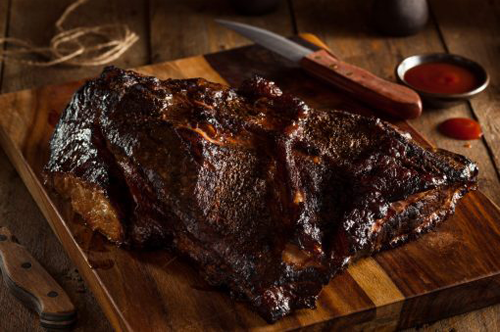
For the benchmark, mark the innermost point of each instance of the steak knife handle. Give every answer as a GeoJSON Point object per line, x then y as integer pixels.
{"type": "Point", "coordinates": [29, 282]}
{"type": "Point", "coordinates": [394, 99]}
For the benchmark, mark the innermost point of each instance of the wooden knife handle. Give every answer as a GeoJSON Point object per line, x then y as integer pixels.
{"type": "Point", "coordinates": [32, 285]}
{"type": "Point", "coordinates": [391, 98]}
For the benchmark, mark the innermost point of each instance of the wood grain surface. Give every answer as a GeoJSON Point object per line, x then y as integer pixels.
{"type": "Point", "coordinates": [168, 33]}
{"type": "Point", "coordinates": [444, 273]}
{"type": "Point", "coordinates": [458, 33]}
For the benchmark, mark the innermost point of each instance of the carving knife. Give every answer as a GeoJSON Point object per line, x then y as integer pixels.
{"type": "Point", "coordinates": [31, 284]}
{"type": "Point", "coordinates": [394, 99]}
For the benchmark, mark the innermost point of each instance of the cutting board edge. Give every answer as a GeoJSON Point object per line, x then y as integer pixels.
{"type": "Point", "coordinates": [405, 319]}
{"type": "Point", "coordinates": [437, 309]}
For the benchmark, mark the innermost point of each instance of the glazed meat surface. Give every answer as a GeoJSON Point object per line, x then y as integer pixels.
{"type": "Point", "coordinates": [270, 198]}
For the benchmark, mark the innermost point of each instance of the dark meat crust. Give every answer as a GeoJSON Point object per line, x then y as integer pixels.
{"type": "Point", "coordinates": [268, 197]}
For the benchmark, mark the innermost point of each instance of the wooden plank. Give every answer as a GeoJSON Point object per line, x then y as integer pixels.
{"type": "Point", "coordinates": [39, 28]}
{"type": "Point", "coordinates": [472, 31]}
{"type": "Point", "coordinates": [186, 28]}
{"type": "Point", "coordinates": [15, 316]}
{"type": "Point", "coordinates": [174, 293]}
{"type": "Point", "coordinates": [345, 28]}
{"type": "Point", "coordinates": [4, 11]}
{"type": "Point", "coordinates": [34, 21]}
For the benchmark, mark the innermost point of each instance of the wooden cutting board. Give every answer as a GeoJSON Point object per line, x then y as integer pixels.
{"type": "Point", "coordinates": [450, 271]}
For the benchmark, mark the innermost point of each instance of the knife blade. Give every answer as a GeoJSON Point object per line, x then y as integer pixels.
{"type": "Point", "coordinates": [394, 99]}
{"type": "Point", "coordinates": [31, 284]}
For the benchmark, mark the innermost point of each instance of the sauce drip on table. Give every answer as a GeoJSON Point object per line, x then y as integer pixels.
{"type": "Point", "coordinates": [441, 77]}
{"type": "Point", "coordinates": [461, 128]}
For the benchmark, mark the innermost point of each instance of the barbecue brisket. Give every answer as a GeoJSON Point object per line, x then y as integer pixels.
{"type": "Point", "coordinates": [269, 197]}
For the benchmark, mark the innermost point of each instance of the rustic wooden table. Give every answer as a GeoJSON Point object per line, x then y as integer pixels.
{"type": "Point", "coordinates": [175, 29]}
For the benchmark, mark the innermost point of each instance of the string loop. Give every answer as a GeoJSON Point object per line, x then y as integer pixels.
{"type": "Point", "coordinates": [72, 46]}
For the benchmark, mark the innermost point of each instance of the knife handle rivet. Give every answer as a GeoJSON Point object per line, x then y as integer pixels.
{"type": "Point", "coordinates": [3, 238]}
{"type": "Point", "coordinates": [52, 294]}
{"type": "Point", "coordinates": [26, 265]}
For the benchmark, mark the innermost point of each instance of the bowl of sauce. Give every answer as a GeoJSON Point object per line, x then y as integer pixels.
{"type": "Point", "coordinates": [442, 79]}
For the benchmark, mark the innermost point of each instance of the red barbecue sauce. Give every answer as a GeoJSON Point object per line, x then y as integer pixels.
{"type": "Point", "coordinates": [461, 128]}
{"type": "Point", "coordinates": [441, 77]}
